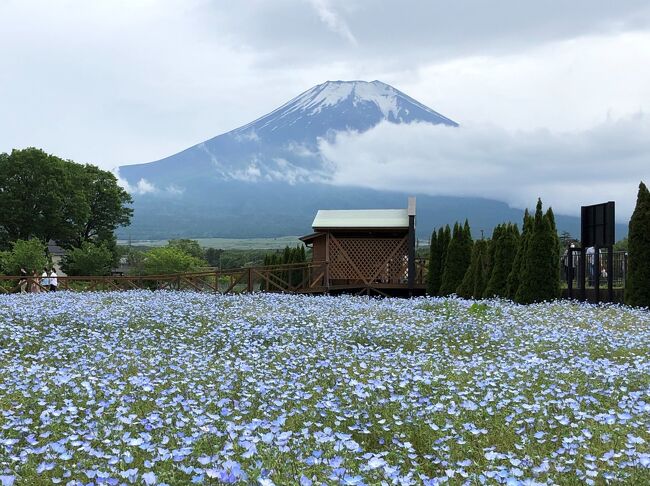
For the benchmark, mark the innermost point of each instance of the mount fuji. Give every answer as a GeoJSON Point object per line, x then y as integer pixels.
{"type": "Point", "coordinates": [267, 178]}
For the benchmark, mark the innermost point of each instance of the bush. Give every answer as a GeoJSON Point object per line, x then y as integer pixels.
{"type": "Point", "coordinates": [88, 260]}
{"type": "Point", "coordinates": [167, 260]}
{"type": "Point", "coordinates": [27, 254]}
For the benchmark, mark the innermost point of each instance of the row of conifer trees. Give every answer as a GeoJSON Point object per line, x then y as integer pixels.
{"type": "Point", "coordinates": [524, 267]}
{"type": "Point", "coordinates": [289, 255]}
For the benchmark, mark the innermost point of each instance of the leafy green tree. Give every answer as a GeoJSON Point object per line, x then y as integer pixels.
{"type": "Point", "coordinates": [43, 196]}
{"type": "Point", "coordinates": [27, 254]}
{"type": "Point", "coordinates": [459, 255]}
{"type": "Point", "coordinates": [475, 278]}
{"type": "Point", "coordinates": [107, 205]}
{"type": "Point", "coordinates": [168, 260]}
{"type": "Point", "coordinates": [505, 247]}
{"type": "Point", "coordinates": [191, 247]}
{"type": "Point", "coordinates": [514, 278]}
{"type": "Point", "coordinates": [90, 259]}
{"type": "Point", "coordinates": [622, 245]}
{"type": "Point", "coordinates": [540, 275]}
{"type": "Point", "coordinates": [637, 290]}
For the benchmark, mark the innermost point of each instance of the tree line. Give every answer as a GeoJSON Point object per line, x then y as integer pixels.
{"type": "Point", "coordinates": [524, 267]}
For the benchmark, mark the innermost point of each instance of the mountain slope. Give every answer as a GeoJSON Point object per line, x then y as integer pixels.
{"type": "Point", "coordinates": [267, 178]}
{"type": "Point", "coordinates": [283, 145]}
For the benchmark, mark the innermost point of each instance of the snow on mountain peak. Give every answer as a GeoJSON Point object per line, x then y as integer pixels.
{"type": "Point", "coordinates": [331, 93]}
{"type": "Point", "coordinates": [344, 97]}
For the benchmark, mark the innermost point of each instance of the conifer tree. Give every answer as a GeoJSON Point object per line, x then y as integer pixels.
{"type": "Point", "coordinates": [540, 275]}
{"type": "Point", "coordinates": [514, 277]}
{"type": "Point", "coordinates": [433, 271]}
{"type": "Point", "coordinates": [554, 262]}
{"type": "Point", "coordinates": [473, 283]}
{"type": "Point", "coordinates": [459, 255]}
{"type": "Point", "coordinates": [444, 239]}
{"type": "Point", "coordinates": [505, 248]}
{"type": "Point", "coordinates": [492, 243]}
{"type": "Point", "coordinates": [637, 289]}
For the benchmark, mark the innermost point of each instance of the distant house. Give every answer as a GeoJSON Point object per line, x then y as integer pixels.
{"type": "Point", "coordinates": [364, 249]}
{"type": "Point", "coordinates": [122, 268]}
{"type": "Point", "coordinates": [56, 253]}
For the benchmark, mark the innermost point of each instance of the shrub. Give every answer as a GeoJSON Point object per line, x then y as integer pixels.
{"type": "Point", "coordinates": [88, 260]}
{"type": "Point", "coordinates": [168, 259]}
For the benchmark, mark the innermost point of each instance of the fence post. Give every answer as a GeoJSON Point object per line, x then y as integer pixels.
{"type": "Point", "coordinates": [596, 272]}
{"type": "Point", "coordinates": [250, 280]}
{"type": "Point", "coordinates": [610, 273]}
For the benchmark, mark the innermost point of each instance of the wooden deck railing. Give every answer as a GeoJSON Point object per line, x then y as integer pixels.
{"type": "Point", "coordinates": [306, 277]}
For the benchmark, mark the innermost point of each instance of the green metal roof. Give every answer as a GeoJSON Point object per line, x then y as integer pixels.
{"type": "Point", "coordinates": [361, 218]}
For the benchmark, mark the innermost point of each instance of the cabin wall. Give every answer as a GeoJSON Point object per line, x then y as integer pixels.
{"type": "Point", "coordinates": [319, 249]}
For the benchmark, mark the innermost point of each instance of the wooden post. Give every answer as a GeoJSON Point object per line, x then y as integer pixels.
{"type": "Point", "coordinates": [596, 274]}
{"type": "Point", "coordinates": [569, 275]}
{"type": "Point", "coordinates": [250, 280]}
{"type": "Point", "coordinates": [610, 273]}
{"type": "Point", "coordinates": [411, 244]}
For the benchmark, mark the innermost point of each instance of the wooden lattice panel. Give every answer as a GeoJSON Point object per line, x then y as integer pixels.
{"type": "Point", "coordinates": [382, 260]}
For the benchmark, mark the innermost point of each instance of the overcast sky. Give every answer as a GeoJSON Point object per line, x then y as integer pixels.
{"type": "Point", "coordinates": [115, 82]}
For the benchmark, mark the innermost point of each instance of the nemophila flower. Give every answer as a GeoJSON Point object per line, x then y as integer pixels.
{"type": "Point", "coordinates": [203, 388]}
{"type": "Point", "coordinates": [7, 480]}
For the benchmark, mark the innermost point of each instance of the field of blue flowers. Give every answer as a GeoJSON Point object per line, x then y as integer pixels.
{"type": "Point", "coordinates": [178, 388]}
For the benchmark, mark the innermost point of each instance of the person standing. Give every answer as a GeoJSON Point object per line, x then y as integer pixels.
{"type": "Point", "coordinates": [45, 280]}
{"type": "Point", "coordinates": [22, 283]}
{"type": "Point", "coordinates": [591, 270]}
{"type": "Point", "coordinates": [54, 280]}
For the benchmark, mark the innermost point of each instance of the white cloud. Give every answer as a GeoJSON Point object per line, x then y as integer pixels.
{"type": "Point", "coordinates": [142, 187]}
{"type": "Point", "coordinates": [333, 20]}
{"type": "Point", "coordinates": [566, 169]}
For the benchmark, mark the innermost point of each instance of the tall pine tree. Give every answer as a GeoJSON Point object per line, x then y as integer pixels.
{"type": "Point", "coordinates": [540, 274]}
{"type": "Point", "coordinates": [514, 278]}
{"type": "Point", "coordinates": [473, 283]}
{"type": "Point", "coordinates": [459, 255]}
{"type": "Point", "coordinates": [505, 248]}
{"type": "Point", "coordinates": [637, 289]}
{"type": "Point", "coordinates": [433, 272]}
{"type": "Point", "coordinates": [444, 239]}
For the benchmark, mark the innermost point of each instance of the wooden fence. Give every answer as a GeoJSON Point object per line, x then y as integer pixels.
{"type": "Point", "coordinates": [306, 277]}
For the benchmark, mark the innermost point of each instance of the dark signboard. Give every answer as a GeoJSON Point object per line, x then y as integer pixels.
{"type": "Point", "coordinates": [598, 225]}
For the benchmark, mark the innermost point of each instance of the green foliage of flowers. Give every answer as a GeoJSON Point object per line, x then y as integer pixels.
{"type": "Point", "coordinates": [177, 387]}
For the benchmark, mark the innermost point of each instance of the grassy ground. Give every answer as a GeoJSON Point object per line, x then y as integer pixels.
{"type": "Point", "coordinates": [228, 243]}
{"type": "Point", "coordinates": [277, 389]}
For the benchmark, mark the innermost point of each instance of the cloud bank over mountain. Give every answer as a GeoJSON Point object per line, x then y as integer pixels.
{"type": "Point", "coordinates": [566, 169]}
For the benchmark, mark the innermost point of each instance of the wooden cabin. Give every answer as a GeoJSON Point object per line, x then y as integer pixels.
{"type": "Point", "coordinates": [369, 248]}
